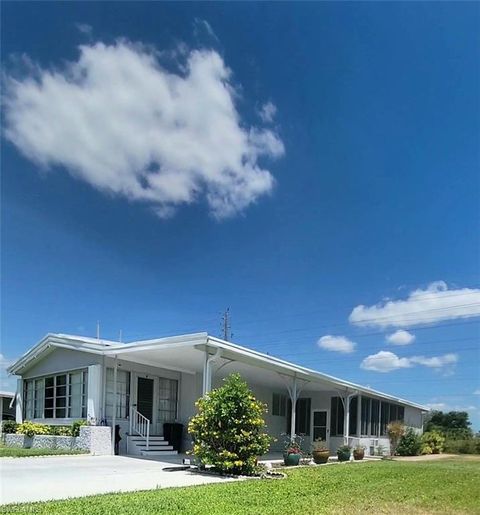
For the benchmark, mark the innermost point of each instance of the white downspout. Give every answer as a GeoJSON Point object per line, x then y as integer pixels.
{"type": "Point", "coordinates": [207, 369]}
{"type": "Point", "coordinates": [347, 417]}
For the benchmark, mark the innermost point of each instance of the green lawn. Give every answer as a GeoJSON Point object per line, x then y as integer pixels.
{"type": "Point", "coordinates": [15, 452]}
{"type": "Point", "coordinates": [446, 486]}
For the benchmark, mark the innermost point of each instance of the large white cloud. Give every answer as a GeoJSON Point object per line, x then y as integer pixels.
{"type": "Point", "coordinates": [119, 120]}
{"type": "Point", "coordinates": [336, 344]}
{"type": "Point", "coordinates": [386, 361]}
{"type": "Point", "coordinates": [434, 304]}
{"type": "Point", "coordinates": [400, 337]}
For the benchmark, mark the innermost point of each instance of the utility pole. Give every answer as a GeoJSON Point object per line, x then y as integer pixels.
{"type": "Point", "coordinates": [226, 325]}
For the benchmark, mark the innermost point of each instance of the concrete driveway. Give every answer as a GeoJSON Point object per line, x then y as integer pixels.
{"type": "Point", "coordinates": [60, 477]}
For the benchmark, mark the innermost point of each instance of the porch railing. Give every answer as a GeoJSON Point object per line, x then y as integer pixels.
{"type": "Point", "coordinates": [139, 425]}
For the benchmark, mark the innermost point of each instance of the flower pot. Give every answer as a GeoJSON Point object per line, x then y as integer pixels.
{"type": "Point", "coordinates": [358, 454]}
{"type": "Point", "coordinates": [320, 457]}
{"type": "Point", "coordinates": [291, 459]}
{"type": "Point", "coordinates": [343, 454]}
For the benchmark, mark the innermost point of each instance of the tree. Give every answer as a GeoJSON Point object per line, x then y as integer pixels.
{"type": "Point", "coordinates": [454, 424]}
{"type": "Point", "coordinates": [228, 430]}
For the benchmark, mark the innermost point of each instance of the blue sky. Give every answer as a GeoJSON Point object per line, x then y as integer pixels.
{"type": "Point", "coordinates": [290, 161]}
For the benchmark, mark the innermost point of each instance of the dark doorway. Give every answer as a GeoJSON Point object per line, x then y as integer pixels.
{"type": "Point", "coordinates": [145, 397]}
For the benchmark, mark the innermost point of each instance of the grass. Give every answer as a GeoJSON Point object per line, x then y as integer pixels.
{"type": "Point", "coordinates": [444, 486]}
{"type": "Point", "coordinates": [16, 452]}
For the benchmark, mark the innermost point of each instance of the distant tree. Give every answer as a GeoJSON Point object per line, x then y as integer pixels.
{"type": "Point", "coordinates": [454, 424]}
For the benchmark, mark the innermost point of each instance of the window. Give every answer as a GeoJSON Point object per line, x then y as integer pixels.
{"type": "Point", "coordinates": [167, 400]}
{"type": "Point", "coordinates": [302, 416]}
{"type": "Point", "coordinates": [384, 418]}
{"type": "Point", "coordinates": [56, 396]}
{"type": "Point", "coordinates": [365, 427]}
{"type": "Point", "coordinates": [374, 416]}
{"type": "Point", "coordinates": [336, 416]}
{"type": "Point", "coordinates": [123, 393]}
{"type": "Point", "coordinates": [279, 405]}
{"type": "Point", "coordinates": [352, 426]}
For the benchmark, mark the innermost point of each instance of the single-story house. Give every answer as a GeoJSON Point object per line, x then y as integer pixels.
{"type": "Point", "coordinates": [141, 385]}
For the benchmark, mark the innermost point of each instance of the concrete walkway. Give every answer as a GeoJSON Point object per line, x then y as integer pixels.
{"type": "Point", "coordinates": [60, 477]}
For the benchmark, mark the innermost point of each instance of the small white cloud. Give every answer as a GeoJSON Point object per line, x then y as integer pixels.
{"type": "Point", "coordinates": [118, 120]}
{"type": "Point", "coordinates": [267, 112]}
{"type": "Point", "coordinates": [400, 337]}
{"type": "Point", "coordinates": [336, 344]}
{"type": "Point", "coordinates": [477, 392]}
{"type": "Point", "coordinates": [386, 361]}
{"type": "Point", "coordinates": [436, 406]}
{"type": "Point", "coordinates": [435, 361]}
{"type": "Point", "coordinates": [85, 28]}
{"type": "Point", "coordinates": [443, 406]}
{"type": "Point", "coordinates": [202, 26]}
{"type": "Point", "coordinates": [434, 304]}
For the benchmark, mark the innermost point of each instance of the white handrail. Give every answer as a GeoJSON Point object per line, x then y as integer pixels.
{"type": "Point", "coordinates": [140, 425]}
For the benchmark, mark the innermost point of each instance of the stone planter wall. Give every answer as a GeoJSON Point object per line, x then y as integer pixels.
{"type": "Point", "coordinates": [93, 439]}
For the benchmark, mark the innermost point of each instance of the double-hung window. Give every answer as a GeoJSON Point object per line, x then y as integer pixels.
{"type": "Point", "coordinates": [279, 405]}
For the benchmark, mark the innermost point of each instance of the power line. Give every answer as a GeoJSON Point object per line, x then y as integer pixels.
{"type": "Point", "coordinates": [297, 330]}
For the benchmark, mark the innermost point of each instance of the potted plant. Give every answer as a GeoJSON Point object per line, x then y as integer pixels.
{"type": "Point", "coordinates": [343, 453]}
{"type": "Point", "coordinates": [320, 451]}
{"type": "Point", "coordinates": [358, 453]}
{"type": "Point", "coordinates": [292, 452]}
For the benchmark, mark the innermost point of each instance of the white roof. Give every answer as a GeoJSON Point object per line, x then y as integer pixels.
{"type": "Point", "coordinates": [7, 394]}
{"type": "Point", "coordinates": [178, 345]}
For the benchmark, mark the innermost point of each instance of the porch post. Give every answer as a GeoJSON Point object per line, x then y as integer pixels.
{"type": "Point", "coordinates": [293, 397]}
{"type": "Point", "coordinates": [346, 424]}
{"type": "Point", "coordinates": [114, 414]}
{"type": "Point", "coordinates": [359, 415]}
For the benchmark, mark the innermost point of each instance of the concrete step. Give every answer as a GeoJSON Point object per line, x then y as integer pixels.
{"type": "Point", "coordinates": [132, 438]}
{"type": "Point", "coordinates": [158, 453]}
{"type": "Point", "coordinates": [151, 447]}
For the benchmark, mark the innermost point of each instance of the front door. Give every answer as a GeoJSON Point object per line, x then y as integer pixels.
{"type": "Point", "coordinates": [320, 425]}
{"type": "Point", "coordinates": [145, 397]}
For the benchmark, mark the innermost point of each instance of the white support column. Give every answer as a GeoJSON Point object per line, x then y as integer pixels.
{"type": "Point", "coordinates": [346, 420]}
{"type": "Point", "coordinates": [95, 391]}
{"type": "Point", "coordinates": [293, 397]}
{"type": "Point", "coordinates": [114, 408]}
{"type": "Point", "coordinates": [359, 415]}
{"type": "Point", "coordinates": [19, 402]}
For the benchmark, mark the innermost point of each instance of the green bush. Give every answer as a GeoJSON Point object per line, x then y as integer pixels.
{"type": "Point", "coordinates": [75, 429]}
{"type": "Point", "coordinates": [432, 442]}
{"type": "Point", "coordinates": [59, 430]}
{"type": "Point", "coordinates": [31, 429]}
{"type": "Point", "coordinates": [466, 446]}
{"type": "Point", "coordinates": [228, 431]}
{"type": "Point", "coordinates": [410, 444]}
{"type": "Point", "coordinates": [9, 426]}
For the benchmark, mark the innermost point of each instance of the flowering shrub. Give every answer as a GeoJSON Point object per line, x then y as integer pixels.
{"type": "Point", "coordinates": [31, 429]}
{"type": "Point", "coordinates": [228, 431]}
{"type": "Point", "coordinates": [395, 431]}
{"type": "Point", "coordinates": [432, 442]}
